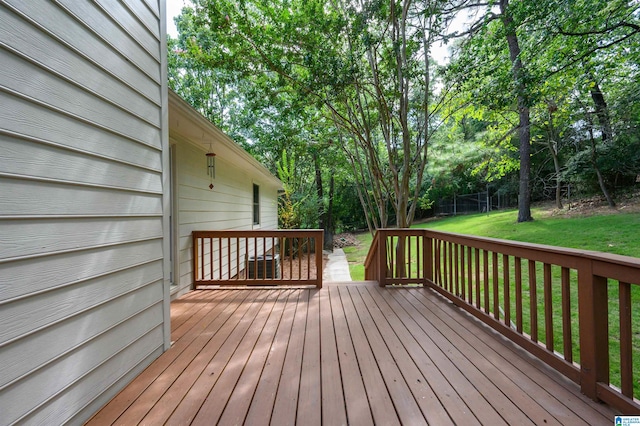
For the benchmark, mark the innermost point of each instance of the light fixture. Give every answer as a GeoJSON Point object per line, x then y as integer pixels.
{"type": "Point", "coordinates": [211, 166]}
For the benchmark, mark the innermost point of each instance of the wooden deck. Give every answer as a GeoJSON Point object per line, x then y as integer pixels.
{"type": "Point", "coordinates": [347, 354]}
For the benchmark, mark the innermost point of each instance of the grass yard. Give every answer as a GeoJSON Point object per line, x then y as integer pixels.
{"type": "Point", "coordinates": [613, 233]}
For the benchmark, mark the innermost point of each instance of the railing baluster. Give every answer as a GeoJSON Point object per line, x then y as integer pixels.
{"type": "Point", "coordinates": [456, 277]}
{"type": "Point", "coordinates": [309, 257]}
{"type": "Point", "coordinates": [507, 290]}
{"type": "Point", "coordinates": [419, 250]}
{"type": "Point", "coordinates": [485, 257]}
{"type": "Point", "coordinates": [626, 340]}
{"type": "Point", "coordinates": [518, 273]}
{"type": "Point", "coordinates": [469, 276]}
{"type": "Point", "coordinates": [496, 285]}
{"type": "Point", "coordinates": [220, 257]}
{"type": "Point", "coordinates": [300, 255]}
{"type": "Point", "coordinates": [533, 300]}
{"type": "Point", "coordinates": [408, 258]}
{"type": "Point", "coordinates": [428, 256]}
{"type": "Point", "coordinates": [566, 315]}
{"type": "Point", "coordinates": [548, 307]}
{"type": "Point", "coordinates": [281, 243]}
{"type": "Point", "coordinates": [229, 258]}
{"type": "Point", "coordinates": [202, 261]}
{"type": "Point", "coordinates": [392, 251]}
{"type": "Point", "coordinates": [210, 258]}
{"type": "Point", "coordinates": [290, 254]}
{"type": "Point", "coordinates": [444, 265]}
{"type": "Point", "coordinates": [477, 271]}
{"type": "Point", "coordinates": [438, 257]}
{"type": "Point", "coordinates": [450, 267]}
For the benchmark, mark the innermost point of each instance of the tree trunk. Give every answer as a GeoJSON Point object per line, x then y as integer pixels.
{"type": "Point", "coordinates": [319, 192]}
{"type": "Point", "coordinates": [556, 165]}
{"type": "Point", "coordinates": [328, 228]}
{"type": "Point", "coordinates": [325, 217]}
{"type": "Point", "coordinates": [552, 143]}
{"type": "Point", "coordinates": [602, 112]}
{"type": "Point", "coordinates": [524, 199]}
{"type": "Point", "coordinates": [594, 163]}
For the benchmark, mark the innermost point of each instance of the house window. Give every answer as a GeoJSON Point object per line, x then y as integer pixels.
{"type": "Point", "coordinates": [256, 204]}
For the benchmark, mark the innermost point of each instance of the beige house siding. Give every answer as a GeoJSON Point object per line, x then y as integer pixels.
{"type": "Point", "coordinates": [229, 205]}
{"type": "Point", "coordinates": [83, 285]}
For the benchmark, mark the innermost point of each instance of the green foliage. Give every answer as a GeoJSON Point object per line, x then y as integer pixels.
{"type": "Point", "coordinates": [570, 49]}
{"type": "Point", "coordinates": [336, 82]}
{"type": "Point", "coordinates": [297, 209]}
{"type": "Point", "coordinates": [318, 68]}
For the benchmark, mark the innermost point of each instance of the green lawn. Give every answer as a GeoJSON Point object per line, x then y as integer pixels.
{"type": "Point", "coordinates": [614, 233]}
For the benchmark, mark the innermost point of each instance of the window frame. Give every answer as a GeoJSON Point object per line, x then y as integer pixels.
{"type": "Point", "coordinates": [256, 204]}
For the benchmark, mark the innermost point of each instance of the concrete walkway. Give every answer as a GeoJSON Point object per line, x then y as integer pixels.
{"type": "Point", "coordinates": [337, 267]}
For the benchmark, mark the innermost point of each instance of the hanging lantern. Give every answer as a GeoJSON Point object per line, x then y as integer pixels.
{"type": "Point", "coordinates": [211, 166]}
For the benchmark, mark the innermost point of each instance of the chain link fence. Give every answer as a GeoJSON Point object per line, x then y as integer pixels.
{"type": "Point", "coordinates": [480, 202]}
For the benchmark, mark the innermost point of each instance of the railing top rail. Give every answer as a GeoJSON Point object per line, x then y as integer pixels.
{"type": "Point", "coordinates": [400, 231]}
{"type": "Point", "coordinates": [560, 253]}
{"type": "Point", "coordinates": [372, 250]}
{"type": "Point", "coordinates": [259, 233]}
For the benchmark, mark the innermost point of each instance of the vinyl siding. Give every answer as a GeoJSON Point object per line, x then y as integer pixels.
{"type": "Point", "coordinates": [83, 134]}
{"type": "Point", "coordinates": [229, 205]}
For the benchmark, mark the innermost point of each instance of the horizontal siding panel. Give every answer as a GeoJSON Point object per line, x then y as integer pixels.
{"type": "Point", "coordinates": [201, 221]}
{"type": "Point", "coordinates": [58, 23]}
{"type": "Point", "coordinates": [23, 277]}
{"type": "Point", "coordinates": [35, 350]}
{"type": "Point", "coordinates": [25, 315]}
{"type": "Point", "coordinates": [143, 50]}
{"type": "Point", "coordinates": [21, 197]}
{"type": "Point", "coordinates": [19, 238]}
{"type": "Point", "coordinates": [123, 368]}
{"type": "Point", "coordinates": [154, 6]}
{"type": "Point", "coordinates": [139, 335]}
{"type": "Point", "coordinates": [150, 20]}
{"type": "Point", "coordinates": [213, 206]}
{"type": "Point", "coordinates": [99, 401]}
{"type": "Point", "coordinates": [21, 76]}
{"type": "Point", "coordinates": [221, 192]}
{"type": "Point", "coordinates": [32, 159]}
{"type": "Point", "coordinates": [227, 180]}
{"type": "Point", "coordinates": [23, 118]}
{"type": "Point", "coordinates": [150, 40]}
{"type": "Point", "coordinates": [18, 36]}
{"type": "Point", "coordinates": [186, 278]}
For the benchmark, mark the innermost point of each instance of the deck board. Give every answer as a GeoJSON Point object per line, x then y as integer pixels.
{"type": "Point", "coordinates": [332, 404]}
{"type": "Point", "coordinates": [347, 354]}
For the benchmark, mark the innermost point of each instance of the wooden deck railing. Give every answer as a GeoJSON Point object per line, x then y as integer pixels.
{"type": "Point", "coordinates": [576, 310]}
{"type": "Point", "coordinates": [262, 257]}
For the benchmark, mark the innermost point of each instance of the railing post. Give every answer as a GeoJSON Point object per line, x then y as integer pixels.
{"type": "Point", "coordinates": [382, 258]}
{"type": "Point", "coordinates": [319, 240]}
{"type": "Point", "coordinates": [594, 330]}
{"type": "Point", "coordinates": [194, 237]}
{"type": "Point", "coordinates": [427, 253]}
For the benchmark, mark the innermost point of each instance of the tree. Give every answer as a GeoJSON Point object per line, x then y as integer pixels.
{"type": "Point", "coordinates": [562, 42]}
{"type": "Point", "coordinates": [524, 131]}
{"type": "Point", "coordinates": [365, 66]}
